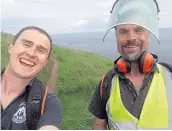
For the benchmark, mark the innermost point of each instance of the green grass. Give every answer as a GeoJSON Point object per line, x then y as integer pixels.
{"type": "Point", "coordinates": [79, 73]}
{"type": "Point", "coordinates": [78, 70]}
{"type": "Point", "coordinates": [5, 41]}
{"type": "Point", "coordinates": [75, 113]}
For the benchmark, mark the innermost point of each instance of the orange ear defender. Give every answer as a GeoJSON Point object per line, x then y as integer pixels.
{"type": "Point", "coordinates": [122, 65]}
{"type": "Point", "coordinates": [146, 63]}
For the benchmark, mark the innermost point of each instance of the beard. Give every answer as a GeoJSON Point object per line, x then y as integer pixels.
{"type": "Point", "coordinates": [132, 55]}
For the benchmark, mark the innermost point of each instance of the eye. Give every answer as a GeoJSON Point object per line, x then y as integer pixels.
{"type": "Point", "coordinates": [41, 51]}
{"type": "Point", "coordinates": [26, 44]}
{"type": "Point", "coordinates": [139, 30]}
{"type": "Point", "coordinates": [123, 31]}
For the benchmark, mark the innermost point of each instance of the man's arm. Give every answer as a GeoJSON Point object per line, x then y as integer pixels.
{"type": "Point", "coordinates": [52, 116]}
{"type": "Point", "coordinates": [48, 128]}
{"type": "Point", "coordinates": [99, 124]}
{"type": "Point", "coordinates": [98, 109]}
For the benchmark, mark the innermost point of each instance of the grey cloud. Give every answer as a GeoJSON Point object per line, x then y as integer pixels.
{"type": "Point", "coordinates": [61, 16]}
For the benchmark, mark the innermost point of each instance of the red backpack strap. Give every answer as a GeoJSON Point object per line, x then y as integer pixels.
{"type": "Point", "coordinates": [105, 84]}
{"type": "Point", "coordinates": [101, 86]}
{"type": "Point", "coordinates": [44, 99]}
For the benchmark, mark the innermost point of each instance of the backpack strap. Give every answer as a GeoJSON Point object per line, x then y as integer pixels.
{"type": "Point", "coordinates": [35, 103]}
{"type": "Point", "coordinates": [105, 84]}
{"type": "Point", "coordinates": [44, 99]}
{"type": "Point", "coordinates": [168, 66]}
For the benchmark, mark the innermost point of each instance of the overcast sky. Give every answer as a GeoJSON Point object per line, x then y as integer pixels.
{"type": "Point", "coordinates": [65, 16]}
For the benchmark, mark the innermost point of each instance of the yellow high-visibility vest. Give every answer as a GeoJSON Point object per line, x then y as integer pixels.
{"type": "Point", "coordinates": [156, 111]}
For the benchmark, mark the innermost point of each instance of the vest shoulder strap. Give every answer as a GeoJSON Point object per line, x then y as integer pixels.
{"type": "Point", "coordinates": [35, 103]}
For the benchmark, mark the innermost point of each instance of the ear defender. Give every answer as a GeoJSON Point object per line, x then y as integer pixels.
{"type": "Point", "coordinates": [146, 63]}
{"type": "Point", "coordinates": [122, 65]}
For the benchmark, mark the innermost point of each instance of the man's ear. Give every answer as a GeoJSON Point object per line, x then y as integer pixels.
{"type": "Point", "coordinates": [10, 47]}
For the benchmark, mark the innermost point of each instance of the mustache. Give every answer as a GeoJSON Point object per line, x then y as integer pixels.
{"type": "Point", "coordinates": [132, 43]}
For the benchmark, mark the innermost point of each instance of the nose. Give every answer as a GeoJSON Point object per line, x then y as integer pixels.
{"type": "Point", "coordinates": [31, 52]}
{"type": "Point", "coordinates": [131, 36]}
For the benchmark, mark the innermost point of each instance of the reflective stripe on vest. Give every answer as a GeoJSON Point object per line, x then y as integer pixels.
{"type": "Point", "coordinates": [157, 108]}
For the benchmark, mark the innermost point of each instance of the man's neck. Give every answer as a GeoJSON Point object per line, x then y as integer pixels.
{"type": "Point", "coordinates": [134, 73]}
{"type": "Point", "coordinates": [11, 84]}
{"type": "Point", "coordinates": [135, 76]}
{"type": "Point", "coordinates": [134, 69]}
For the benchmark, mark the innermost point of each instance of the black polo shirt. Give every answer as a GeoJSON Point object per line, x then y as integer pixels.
{"type": "Point", "coordinates": [132, 100]}
{"type": "Point", "coordinates": [14, 115]}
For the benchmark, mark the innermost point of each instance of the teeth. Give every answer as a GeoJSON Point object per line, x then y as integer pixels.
{"type": "Point", "coordinates": [27, 62]}
{"type": "Point", "coordinates": [131, 46]}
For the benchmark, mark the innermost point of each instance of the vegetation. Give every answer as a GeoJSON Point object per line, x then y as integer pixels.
{"type": "Point", "coordinates": [79, 73]}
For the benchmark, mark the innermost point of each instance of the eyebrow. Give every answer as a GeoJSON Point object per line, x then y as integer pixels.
{"type": "Point", "coordinates": [123, 29]}
{"type": "Point", "coordinates": [28, 41]}
{"type": "Point", "coordinates": [138, 27]}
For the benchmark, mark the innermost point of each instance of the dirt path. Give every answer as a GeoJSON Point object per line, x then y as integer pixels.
{"type": "Point", "coordinates": [54, 75]}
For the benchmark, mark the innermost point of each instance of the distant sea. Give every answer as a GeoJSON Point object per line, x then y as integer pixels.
{"type": "Point", "coordinates": [93, 42]}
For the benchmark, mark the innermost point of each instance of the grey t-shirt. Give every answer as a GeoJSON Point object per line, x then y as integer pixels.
{"type": "Point", "coordinates": [14, 116]}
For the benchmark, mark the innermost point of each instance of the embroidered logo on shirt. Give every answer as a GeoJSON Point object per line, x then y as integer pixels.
{"type": "Point", "coordinates": [20, 115]}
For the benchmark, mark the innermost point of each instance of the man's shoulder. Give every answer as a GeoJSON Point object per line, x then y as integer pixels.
{"type": "Point", "coordinates": [110, 73]}
{"type": "Point", "coordinates": [52, 99]}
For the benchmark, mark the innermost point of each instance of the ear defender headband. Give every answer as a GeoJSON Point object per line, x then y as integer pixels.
{"type": "Point", "coordinates": [146, 62]}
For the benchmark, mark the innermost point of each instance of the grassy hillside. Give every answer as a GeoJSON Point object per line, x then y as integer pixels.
{"type": "Point", "coordinates": [79, 73]}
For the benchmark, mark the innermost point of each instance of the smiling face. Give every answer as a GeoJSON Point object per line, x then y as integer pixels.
{"type": "Point", "coordinates": [132, 40]}
{"type": "Point", "coordinates": [29, 54]}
